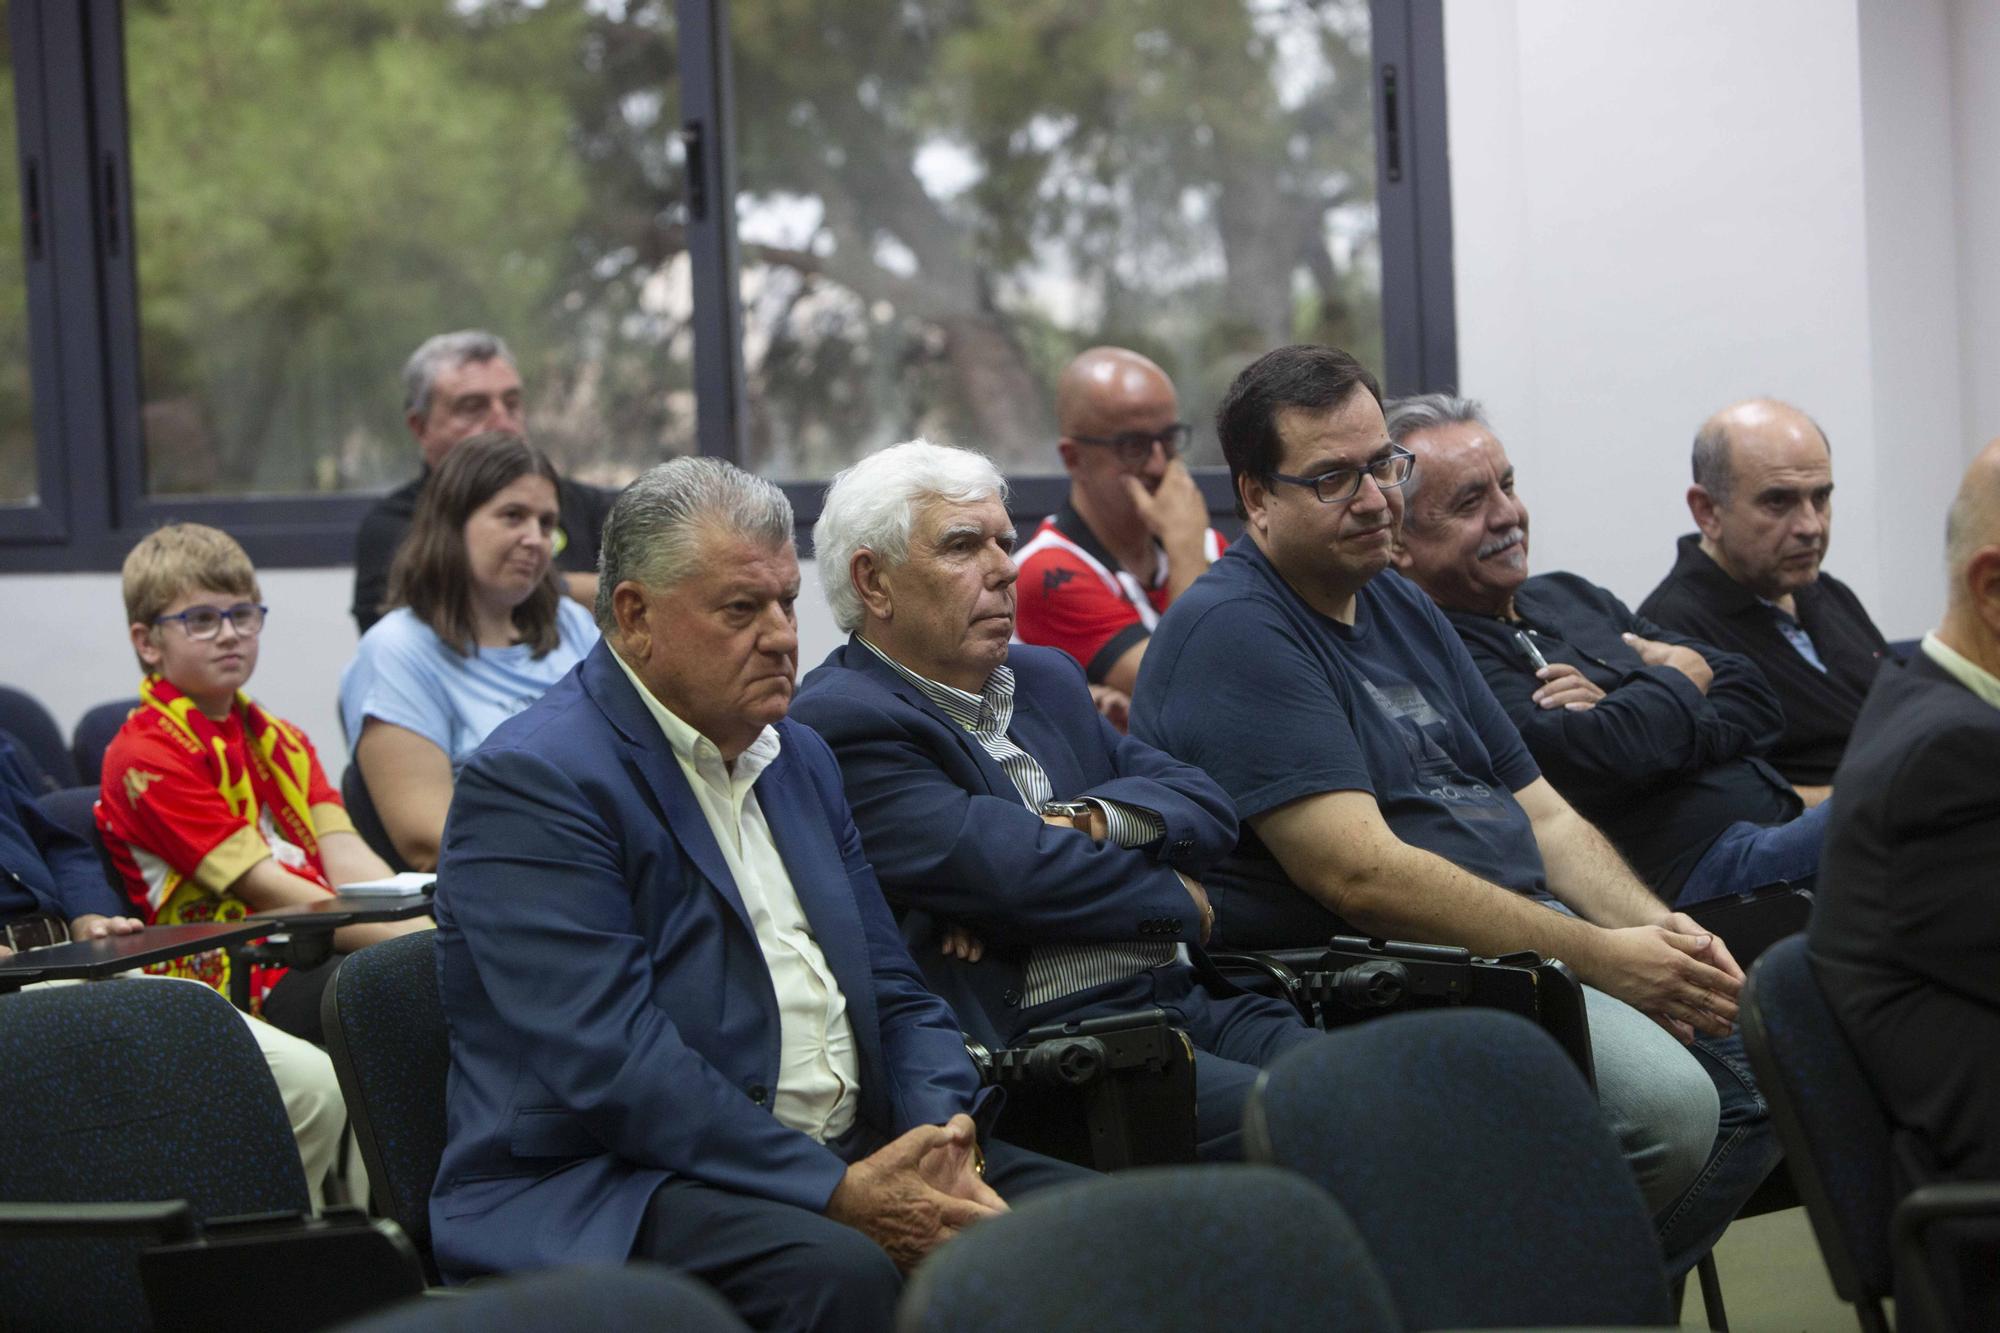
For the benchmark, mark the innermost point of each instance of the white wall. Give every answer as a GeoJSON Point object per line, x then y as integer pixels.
{"type": "Point", "coordinates": [1660, 207]}
{"type": "Point", "coordinates": [1974, 37]}
{"type": "Point", "coordinates": [307, 640]}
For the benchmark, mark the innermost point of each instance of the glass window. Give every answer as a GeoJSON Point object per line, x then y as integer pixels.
{"type": "Point", "coordinates": [319, 185]}
{"type": "Point", "coordinates": [17, 423]}
{"type": "Point", "coordinates": [950, 199]}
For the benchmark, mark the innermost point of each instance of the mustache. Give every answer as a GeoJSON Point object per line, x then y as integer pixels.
{"type": "Point", "coordinates": [1494, 545]}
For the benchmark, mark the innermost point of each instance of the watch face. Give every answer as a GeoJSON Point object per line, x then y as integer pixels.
{"type": "Point", "coordinates": [1065, 809]}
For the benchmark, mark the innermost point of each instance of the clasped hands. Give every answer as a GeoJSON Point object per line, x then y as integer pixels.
{"type": "Point", "coordinates": [917, 1192]}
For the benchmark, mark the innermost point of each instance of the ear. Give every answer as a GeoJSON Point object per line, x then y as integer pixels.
{"type": "Point", "coordinates": [1071, 452]}
{"type": "Point", "coordinates": [416, 421]}
{"type": "Point", "coordinates": [628, 609]}
{"type": "Point", "coordinates": [871, 580]}
{"type": "Point", "coordinates": [1256, 498]}
{"type": "Point", "coordinates": [1707, 516]}
{"type": "Point", "coordinates": [147, 646]}
{"type": "Point", "coordinates": [1982, 583]}
{"type": "Point", "coordinates": [1399, 549]}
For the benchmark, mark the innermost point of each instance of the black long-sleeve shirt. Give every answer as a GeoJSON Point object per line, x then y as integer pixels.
{"type": "Point", "coordinates": [1698, 598]}
{"type": "Point", "coordinates": [1660, 767]}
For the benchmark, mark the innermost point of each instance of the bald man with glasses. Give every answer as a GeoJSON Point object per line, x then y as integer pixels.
{"type": "Point", "coordinates": [1097, 574]}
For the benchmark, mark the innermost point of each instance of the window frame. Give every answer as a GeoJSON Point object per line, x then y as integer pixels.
{"type": "Point", "coordinates": [84, 315]}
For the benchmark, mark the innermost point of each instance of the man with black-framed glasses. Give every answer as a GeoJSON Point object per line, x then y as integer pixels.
{"type": "Point", "coordinates": [1383, 791]}
{"type": "Point", "coordinates": [1097, 574]}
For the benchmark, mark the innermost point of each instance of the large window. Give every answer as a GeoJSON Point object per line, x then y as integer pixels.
{"type": "Point", "coordinates": [955, 198]}
{"type": "Point", "coordinates": [319, 185]}
{"type": "Point", "coordinates": [783, 232]}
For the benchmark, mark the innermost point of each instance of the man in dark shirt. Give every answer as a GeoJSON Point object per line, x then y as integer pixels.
{"type": "Point", "coordinates": [1654, 737]}
{"type": "Point", "coordinates": [455, 386]}
{"type": "Point", "coordinates": [1383, 790]}
{"type": "Point", "coordinates": [1749, 581]}
{"type": "Point", "coordinates": [1905, 937]}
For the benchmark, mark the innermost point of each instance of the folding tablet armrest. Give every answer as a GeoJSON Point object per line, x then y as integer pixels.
{"type": "Point", "coordinates": [1750, 923]}
{"type": "Point", "coordinates": [1923, 1209]}
{"type": "Point", "coordinates": [1280, 978]}
{"type": "Point", "coordinates": [161, 1221]}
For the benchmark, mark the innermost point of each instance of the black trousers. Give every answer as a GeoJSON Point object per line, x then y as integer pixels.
{"type": "Point", "coordinates": [785, 1267]}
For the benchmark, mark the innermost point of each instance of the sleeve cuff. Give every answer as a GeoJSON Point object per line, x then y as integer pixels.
{"type": "Point", "coordinates": [1114, 648]}
{"type": "Point", "coordinates": [1129, 825]}
{"type": "Point", "coordinates": [230, 859]}
{"type": "Point", "coordinates": [328, 818]}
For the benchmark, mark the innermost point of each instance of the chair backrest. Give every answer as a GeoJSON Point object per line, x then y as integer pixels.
{"type": "Point", "coordinates": [1161, 1248]}
{"type": "Point", "coordinates": [1476, 1165]}
{"type": "Point", "coordinates": [127, 1090]}
{"type": "Point", "coordinates": [385, 1030]}
{"type": "Point", "coordinates": [367, 822]}
{"type": "Point", "coordinates": [23, 718]}
{"type": "Point", "coordinates": [75, 809]}
{"type": "Point", "coordinates": [591, 1298]}
{"type": "Point", "coordinates": [1835, 1135]}
{"type": "Point", "coordinates": [93, 735]}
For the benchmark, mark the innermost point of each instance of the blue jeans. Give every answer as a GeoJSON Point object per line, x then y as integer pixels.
{"type": "Point", "coordinates": [1690, 1121]}
{"type": "Point", "coordinates": [1746, 856]}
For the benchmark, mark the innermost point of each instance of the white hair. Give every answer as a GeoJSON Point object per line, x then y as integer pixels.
{"type": "Point", "coordinates": [873, 504]}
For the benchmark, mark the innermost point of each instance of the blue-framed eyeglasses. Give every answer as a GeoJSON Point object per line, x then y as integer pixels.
{"type": "Point", "coordinates": [1390, 473]}
{"type": "Point", "coordinates": [205, 622]}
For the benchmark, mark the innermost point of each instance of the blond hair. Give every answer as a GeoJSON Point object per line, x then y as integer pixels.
{"type": "Point", "coordinates": [179, 559]}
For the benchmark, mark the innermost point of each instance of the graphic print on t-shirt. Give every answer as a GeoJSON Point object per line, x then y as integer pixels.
{"type": "Point", "coordinates": [1421, 728]}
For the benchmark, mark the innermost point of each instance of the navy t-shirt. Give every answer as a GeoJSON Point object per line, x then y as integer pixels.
{"type": "Point", "coordinates": [1277, 701]}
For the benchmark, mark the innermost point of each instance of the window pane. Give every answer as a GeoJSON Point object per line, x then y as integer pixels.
{"type": "Point", "coordinates": [17, 423]}
{"type": "Point", "coordinates": [950, 199]}
{"type": "Point", "coordinates": [319, 185]}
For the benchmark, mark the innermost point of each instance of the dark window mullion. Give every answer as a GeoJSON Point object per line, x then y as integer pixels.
{"type": "Point", "coordinates": [708, 129]}
{"type": "Point", "coordinates": [1413, 192]}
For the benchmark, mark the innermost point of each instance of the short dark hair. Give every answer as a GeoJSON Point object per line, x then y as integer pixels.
{"type": "Point", "coordinates": [431, 575]}
{"type": "Point", "coordinates": [1310, 377]}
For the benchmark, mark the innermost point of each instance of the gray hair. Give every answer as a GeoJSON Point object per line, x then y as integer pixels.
{"type": "Point", "coordinates": [1421, 411]}
{"type": "Point", "coordinates": [873, 504]}
{"type": "Point", "coordinates": [653, 534]}
{"type": "Point", "coordinates": [445, 351]}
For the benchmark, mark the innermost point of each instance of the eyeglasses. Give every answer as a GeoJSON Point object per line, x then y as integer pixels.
{"type": "Point", "coordinates": [1391, 474]}
{"type": "Point", "coordinates": [205, 622]}
{"type": "Point", "coordinates": [1136, 446]}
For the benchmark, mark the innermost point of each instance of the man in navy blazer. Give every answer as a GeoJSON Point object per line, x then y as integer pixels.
{"type": "Point", "coordinates": [683, 1025]}
{"type": "Point", "coordinates": [1048, 861]}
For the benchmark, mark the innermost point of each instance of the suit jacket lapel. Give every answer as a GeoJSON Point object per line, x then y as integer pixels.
{"type": "Point", "coordinates": [649, 752]}
{"type": "Point", "coordinates": [863, 659]}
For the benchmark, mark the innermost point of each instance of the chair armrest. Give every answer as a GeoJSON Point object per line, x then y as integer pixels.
{"type": "Point", "coordinates": [1922, 1209]}
{"type": "Point", "coordinates": [1271, 969]}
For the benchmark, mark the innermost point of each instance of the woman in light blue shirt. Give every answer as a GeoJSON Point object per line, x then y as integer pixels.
{"type": "Point", "coordinates": [480, 629]}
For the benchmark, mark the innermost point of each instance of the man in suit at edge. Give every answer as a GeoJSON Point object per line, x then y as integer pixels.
{"type": "Point", "coordinates": [1905, 937]}
{"type": "Point", "coordinates": [1050, 858]}
{"type": "Point", "coordinates": [683, 1026]}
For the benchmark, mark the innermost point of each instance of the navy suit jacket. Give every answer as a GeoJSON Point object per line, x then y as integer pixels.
{"type": "Point", "coordinates": [947, 832]}
{"type": "Point", "coordinates": [612, 1020]}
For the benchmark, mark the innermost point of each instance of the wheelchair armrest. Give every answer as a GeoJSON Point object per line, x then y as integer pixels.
{"type": "Point", "coordinates": [1921, 1210]}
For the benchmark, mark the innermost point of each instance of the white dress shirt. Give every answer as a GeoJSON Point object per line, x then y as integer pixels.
{"type": "Point", "coordinates": [819, 1072]}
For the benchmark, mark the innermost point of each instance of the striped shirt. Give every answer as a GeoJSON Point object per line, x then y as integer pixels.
{"type": "Point", "coordinates": [1053, 971]}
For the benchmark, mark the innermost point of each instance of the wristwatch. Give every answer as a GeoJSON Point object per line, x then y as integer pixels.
{"type": "Point", "coordinates": [1067, 809]}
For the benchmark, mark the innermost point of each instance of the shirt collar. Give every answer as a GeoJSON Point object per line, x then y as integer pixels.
{"type": "Point", "coordinates": [1967, 672]}
{"type": "Point", "coordinates": [694, 749]}
{"type": "Point", "coordinates": [988, 711]}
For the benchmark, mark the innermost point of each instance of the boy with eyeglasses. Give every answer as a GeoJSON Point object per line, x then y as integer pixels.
{"type": "Point", "coordinates": [1096, 575]}
{"type": "Point", "coordinates": [211, 806]}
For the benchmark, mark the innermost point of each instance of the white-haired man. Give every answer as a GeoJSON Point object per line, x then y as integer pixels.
{"type": "Point", "coordinates": [456, 386]}
{"type": "Point", "coordinates": [1048, 861]}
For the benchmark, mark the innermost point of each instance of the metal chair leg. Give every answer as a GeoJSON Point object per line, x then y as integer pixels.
{"type": "Point", "coordinates": [1711, 1293]}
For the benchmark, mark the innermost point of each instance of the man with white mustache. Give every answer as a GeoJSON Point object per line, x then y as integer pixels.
{"type": "Point", "coordinates": [1657, 739]}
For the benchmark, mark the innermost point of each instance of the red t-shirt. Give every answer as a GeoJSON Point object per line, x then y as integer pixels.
{"type": "Point", "coordinates": [1074, 595]}
{"type": "Point", "coordinates": [178, 845]}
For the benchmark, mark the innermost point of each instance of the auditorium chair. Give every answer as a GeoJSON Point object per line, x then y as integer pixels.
{"type": "Point", "coordinates": [38, 740]}
{"type": "Point", "coordinates": [1473, 1161]}
{"type": "Point", "coordinates": [1840, 1145]}
{"type": "Point", "coordinates": [150, 1178]}
{"type": "Point", "coordinates": [367, 821]}
{"type": "Point", "coordinates": [1167, 1249]}
{"type": "Point", "coordinates": [93, 735]}
{"type": "Point", "coordinates": [632, 1298]}
{"type": "Point", "coordinates": [385, 1032]}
